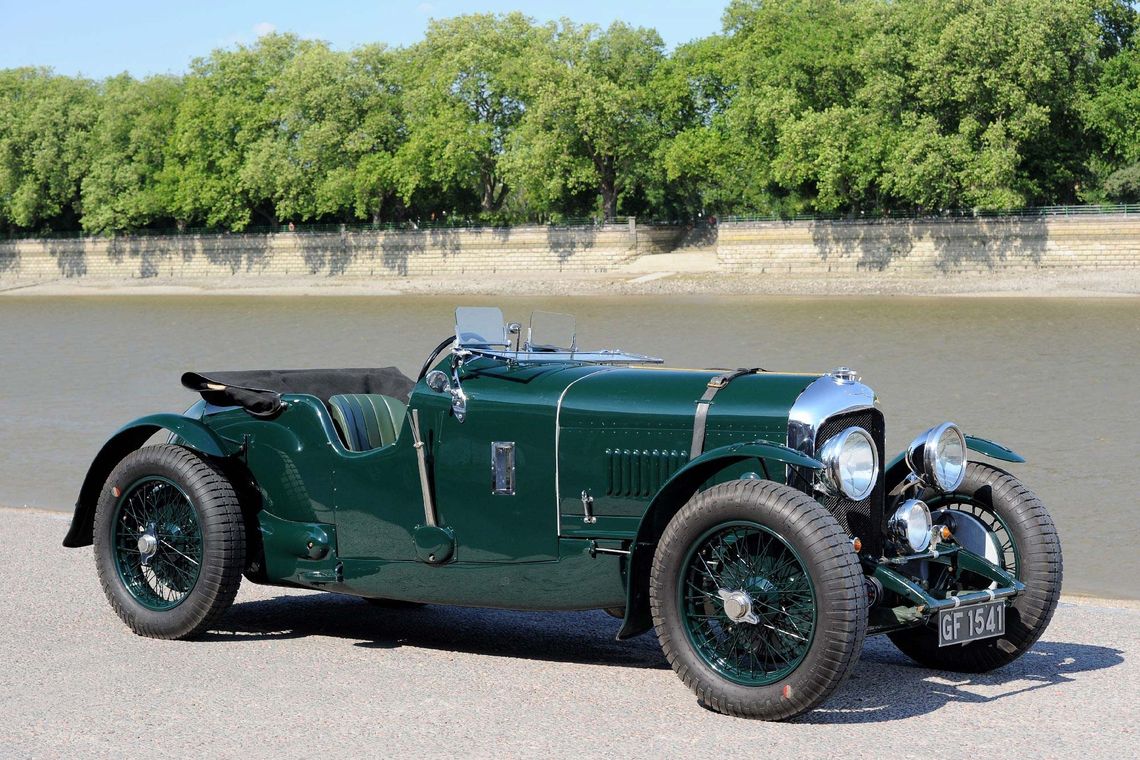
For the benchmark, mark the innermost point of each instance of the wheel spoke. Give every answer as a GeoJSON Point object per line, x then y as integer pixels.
{"type": "Point", "coordinates": [747, 564]}
{"type": "Point", "coordinates": [157, 507]}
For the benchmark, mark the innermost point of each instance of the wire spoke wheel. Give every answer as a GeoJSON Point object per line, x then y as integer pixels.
{"type": "Point", "coordinates": [169, 540]}
{"type": "Point", "coordinates": [747, 603]}
{"type": "Point", "coordinates": [984, 513]}
{"type": "Point", "coordinates": [157, 543]}
{"type": "Point", "coordinates": [758, 599]}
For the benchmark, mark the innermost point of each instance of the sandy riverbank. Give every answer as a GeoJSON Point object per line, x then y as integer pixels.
{"type": "Point", "coordinates": [644, 281]}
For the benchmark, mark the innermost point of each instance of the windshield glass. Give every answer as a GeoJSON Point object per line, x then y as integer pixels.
{"type": "Point", "coordinates": [480, 326]}
{"type": "Point", "coordinates": [550, 331]}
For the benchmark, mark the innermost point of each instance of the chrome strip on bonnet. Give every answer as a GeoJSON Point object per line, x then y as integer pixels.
{"type": "Point", "coordinates": [557, 454]}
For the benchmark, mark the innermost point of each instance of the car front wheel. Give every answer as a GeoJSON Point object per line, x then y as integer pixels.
{"type": "Point", "coordinates": [1010, 527]}
{"type": "Point", "coordinates": [758, 600]}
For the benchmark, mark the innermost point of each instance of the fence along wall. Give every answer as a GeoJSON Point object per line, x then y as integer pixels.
{"type": "Point", "coordinates": [922, 246]}
{"type": "Point", "coordinates": [351, 254]}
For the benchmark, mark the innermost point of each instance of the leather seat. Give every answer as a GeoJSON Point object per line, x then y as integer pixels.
{"type": "Point", "coordinates": [367, 420]}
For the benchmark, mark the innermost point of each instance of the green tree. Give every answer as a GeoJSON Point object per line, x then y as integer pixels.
{"type": "Point", "coordinates": [122, 189]}
{"type": "Point", "coordinates": [45, 123]}
{"type": "Point", "coordinates": [335, 122]}
{"type": "Point", "coordinates": [1113, 111]}
{"type": "Point", "coordinates": [464, 96]}
{"type": "Point", "coordinates": [839, 106]}
{"type": "Point", "coordinates": [1000, 85]}
{"type": "Point", "coordinates": [592, 125]}
{"type": "Point", "coordinates": [225, 127]}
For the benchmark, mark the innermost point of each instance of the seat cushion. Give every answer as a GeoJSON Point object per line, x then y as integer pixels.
{"type": "Point", "coordinates": [367, 420]}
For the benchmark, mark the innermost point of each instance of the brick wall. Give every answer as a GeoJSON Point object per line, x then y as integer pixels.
{"type": "Point", "coordinates": [352, 254]}
{"type": "Point", "coordinates": [906, 246]}
{"type": "Point", "coordinates": [1010, 244]}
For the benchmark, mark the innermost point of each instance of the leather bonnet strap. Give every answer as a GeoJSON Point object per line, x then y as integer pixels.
{"type": "Point", "coordinates": [704, 402]}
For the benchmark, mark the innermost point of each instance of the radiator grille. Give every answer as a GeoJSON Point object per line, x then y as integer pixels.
{"type": "Point", "coordinates": [859, 518]}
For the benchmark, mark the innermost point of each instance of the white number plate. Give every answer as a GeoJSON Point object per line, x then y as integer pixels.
{"type": "Point", "coordinates": [978, 621]}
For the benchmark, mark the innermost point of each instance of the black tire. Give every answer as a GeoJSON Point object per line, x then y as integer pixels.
{"type": "Point", "coordinates": [839, 597]}
{"type": "Point", "coordinates": [222, 548]}
{"type": "Point", "coordinates": [1038, 565]}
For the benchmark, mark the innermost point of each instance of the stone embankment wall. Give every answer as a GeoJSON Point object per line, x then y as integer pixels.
{"type": "Point", "coordinates": [349, 254]}
{"type": "Point", "coordinates": [919, 247]}
{"type": "Point", "coordinates": [925, 247]}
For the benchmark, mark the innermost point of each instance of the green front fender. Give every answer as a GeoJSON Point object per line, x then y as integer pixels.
{"type": "Point", "coordinates": [191, 433]}
{"type": "Point", "coordinates": [897, 469]}
{"type": "Point", "coordinates": [672, 496]}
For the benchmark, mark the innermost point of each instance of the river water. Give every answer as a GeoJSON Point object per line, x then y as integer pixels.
{"type": "Point", "coordinates": [1054, 379]}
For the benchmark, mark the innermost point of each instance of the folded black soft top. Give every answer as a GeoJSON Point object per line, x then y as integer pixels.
{"type": "Point", "coordinates": [259, 391]}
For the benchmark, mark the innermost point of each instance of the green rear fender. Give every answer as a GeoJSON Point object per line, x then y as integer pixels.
{"type": "Point", "coordinates": [669, 500]}
{"type": "Point", "coordinates": [897, 469]}
{"type": "Point", "coordinates": [191, 433]}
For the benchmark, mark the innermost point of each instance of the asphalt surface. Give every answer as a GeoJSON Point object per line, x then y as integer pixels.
{"type": "Point", "coordinates": [303, 674]}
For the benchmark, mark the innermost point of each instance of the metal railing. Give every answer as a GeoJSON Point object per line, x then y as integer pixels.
{"type": "Point", "coordinates": [1032, 211]}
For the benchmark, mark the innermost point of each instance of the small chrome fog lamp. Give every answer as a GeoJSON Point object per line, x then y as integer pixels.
{"type": "Point", "coordinates": [850, 464]}
{"type": "Point", "coordinates": [938, 456]}
{"type": "Point", "coordinates": [910, 525]}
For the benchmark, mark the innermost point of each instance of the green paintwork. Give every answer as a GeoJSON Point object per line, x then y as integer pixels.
{"type": "Point", "coordinates": [575, 581]}
{"type": "Point", "coordinates": [191, 432]}
{"type": "Point", "coordinates": [923, 604]}
{"type": "Point", "coordinates": [624, 433]}
{"type": "Point", "coordinates": [288, 556]}
{"type": "Point", "coordinates": [993, 450]}
{"type": "Point", "coordinates": [434, 544]}
{"type": "Point", "coordinates": [354, 521]}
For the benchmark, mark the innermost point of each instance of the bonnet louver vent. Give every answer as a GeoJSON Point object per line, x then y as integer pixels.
{"type": "Point", "coordinates": [641, 472]}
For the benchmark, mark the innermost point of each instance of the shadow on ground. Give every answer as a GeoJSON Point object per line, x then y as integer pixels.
{"type": "Point", "coordinates": [885, 686]}
{"type": "Point", "coordinates": [889, 686]}
{"type": "Point", "coordinates": [577, 637]}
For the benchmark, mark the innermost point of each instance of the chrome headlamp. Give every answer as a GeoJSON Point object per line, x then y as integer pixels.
{"type": "Point", "coordinates": [938, 456]}
{"type": "Point", "coordinates": [850, 464]}
{"type": "Point", "coordinates": [910, 526]}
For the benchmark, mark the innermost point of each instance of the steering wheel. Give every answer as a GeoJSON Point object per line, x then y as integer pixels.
{"type": "Point", "coordinates": [431, 359]}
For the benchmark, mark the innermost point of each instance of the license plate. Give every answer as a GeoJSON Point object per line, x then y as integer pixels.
{"type": "Point", "coordinates": [978, 621]}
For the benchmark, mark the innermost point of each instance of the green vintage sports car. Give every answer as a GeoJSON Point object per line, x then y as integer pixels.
{"type": "Point", "coordinates": [751, 518]}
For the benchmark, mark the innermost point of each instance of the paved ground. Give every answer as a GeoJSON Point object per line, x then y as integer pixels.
{"type": "Point", "coordinates": [294, 674]}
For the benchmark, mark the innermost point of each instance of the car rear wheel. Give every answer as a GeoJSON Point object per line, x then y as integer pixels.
{"type": "Point", "coordinates": [169, 542]}
{"type": "Point", "coordinates": [758, 600]}
{"type": "Point", "coordinates": [1019, 535]}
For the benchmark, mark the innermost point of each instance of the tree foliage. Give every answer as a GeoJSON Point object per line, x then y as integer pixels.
{"type": "Point", "coordinates": [797, 106]}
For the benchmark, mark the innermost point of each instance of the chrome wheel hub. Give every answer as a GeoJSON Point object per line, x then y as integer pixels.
{"type": "Point", "coordinates": [148, 545]}
{"type": "Point", "coordinates": [738, 606]}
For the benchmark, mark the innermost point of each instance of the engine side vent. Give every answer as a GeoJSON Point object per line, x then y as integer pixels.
{"type": "Point", "coordinates": [640, 473]}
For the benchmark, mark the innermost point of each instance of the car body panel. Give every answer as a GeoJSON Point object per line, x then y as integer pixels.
{"type": "Point", "coordinates": [624, 432]}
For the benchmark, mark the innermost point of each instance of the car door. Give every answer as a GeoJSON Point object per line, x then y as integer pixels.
{"type": "Point", "coordinates": [509, 421]}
